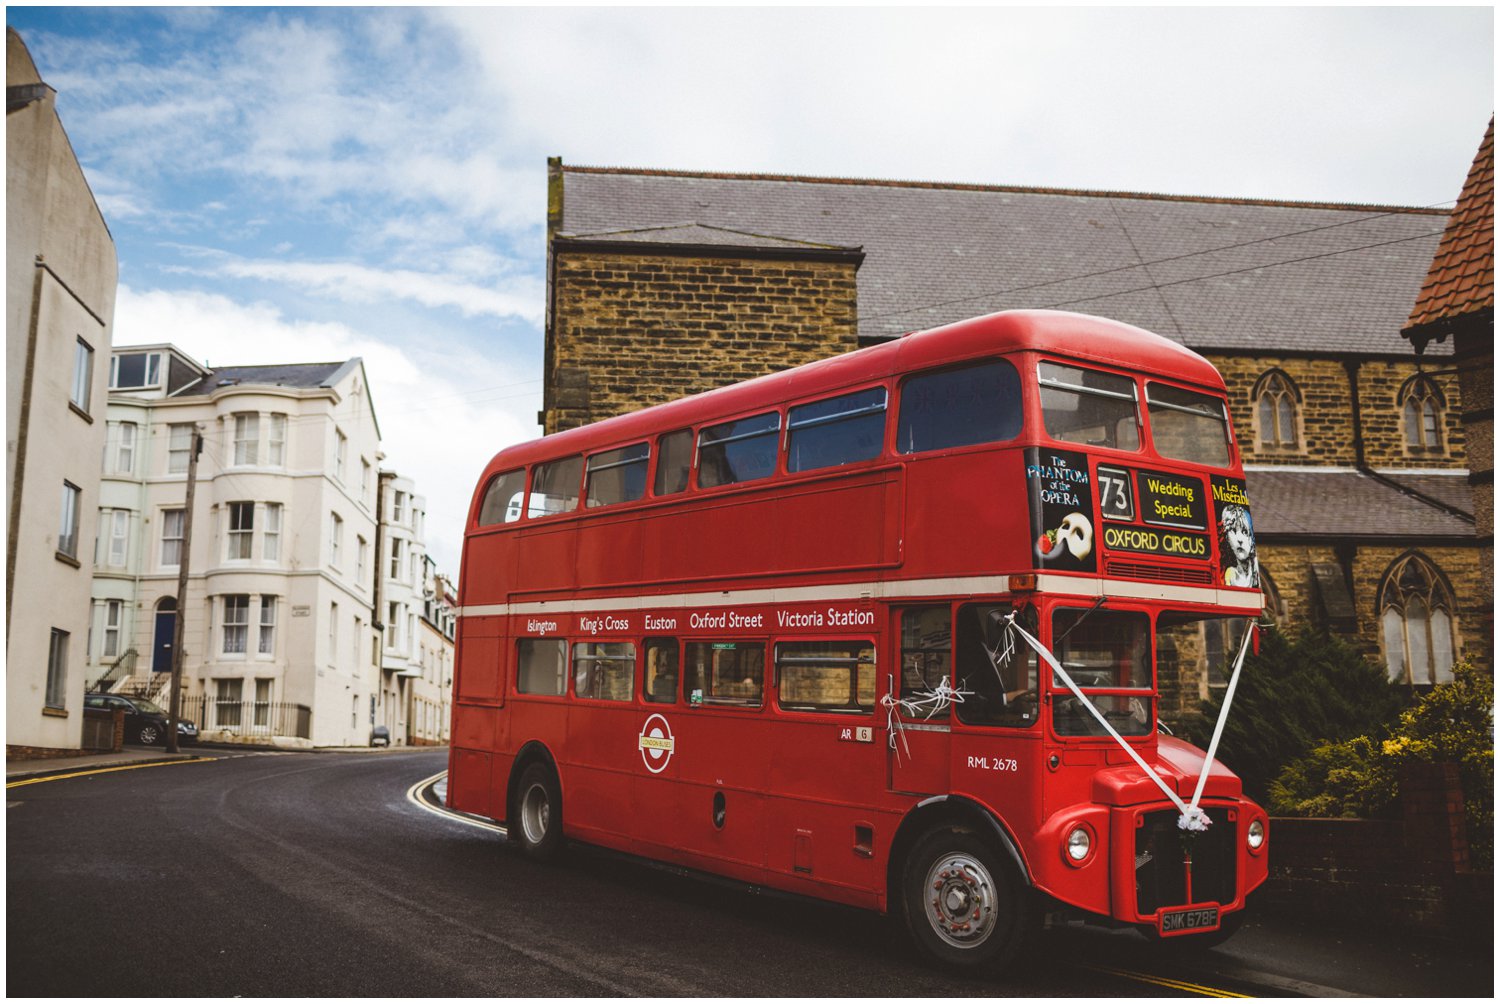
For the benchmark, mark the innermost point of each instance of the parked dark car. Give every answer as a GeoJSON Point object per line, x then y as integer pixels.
{"type": "Point", "coordinates": [145, 722]}
{"type": "Point", "coordinates": [380, 736]}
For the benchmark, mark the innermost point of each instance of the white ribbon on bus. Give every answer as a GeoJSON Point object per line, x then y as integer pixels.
{"type": "Point", "coordinates": [1192, 817]}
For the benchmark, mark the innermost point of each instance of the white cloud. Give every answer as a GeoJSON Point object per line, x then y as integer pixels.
{"type": "Point", "coordinates": [362, 284]}
{"type": "Point", "coordinates": [441, 419]}
{"type": "Point", "coordinates": [1306, 103]}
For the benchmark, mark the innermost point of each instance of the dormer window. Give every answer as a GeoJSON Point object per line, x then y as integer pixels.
{"type": "Point", "coordinates": [135, 369]}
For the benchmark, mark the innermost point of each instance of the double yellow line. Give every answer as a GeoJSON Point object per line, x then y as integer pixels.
{"type": "Point", "coordinates": [1171, 984]}
{"type": "Point", "coordinates": [105, 770]}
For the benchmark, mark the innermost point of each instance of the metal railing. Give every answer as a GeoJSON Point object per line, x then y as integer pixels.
{"type": "Point", "coordinates": [247, 718]}
{"type": "Point", "coordinates": [122, 667]}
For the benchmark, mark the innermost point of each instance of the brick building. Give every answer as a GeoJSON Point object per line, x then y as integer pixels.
{"type": "Point", "coordinates": [664, 283]}
{"type": "Point", "coordinates": [1458, 299]}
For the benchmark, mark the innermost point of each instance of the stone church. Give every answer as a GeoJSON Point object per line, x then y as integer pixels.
{"type": "Point", "coordinates": [666, 283]}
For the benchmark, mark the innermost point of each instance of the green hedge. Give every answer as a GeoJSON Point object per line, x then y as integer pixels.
{"type": "Point", "coordinates": [1296, 693]}
{"type": "Point", "coordinates": [1453, 723]}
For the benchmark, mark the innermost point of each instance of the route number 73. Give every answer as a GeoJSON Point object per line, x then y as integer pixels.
{"type": "Point", "coordinates": [1116, 500]}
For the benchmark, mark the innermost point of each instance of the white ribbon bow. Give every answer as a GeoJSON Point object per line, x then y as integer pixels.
{"type": "Point", "coordinates": [1191, 817]}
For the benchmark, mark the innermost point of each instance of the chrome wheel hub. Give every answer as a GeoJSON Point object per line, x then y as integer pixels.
{"type": "Point", "coordinates": [536, 811]}
{"type": "Point", "coordinates": [962, 898]}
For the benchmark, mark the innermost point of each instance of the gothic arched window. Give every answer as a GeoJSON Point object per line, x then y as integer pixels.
{"type": "Point", "coordinates": [1276, 403]}
{"type": "Point", "coordinates": [1273, 608]}
{"type": "Point", "coordinates": [1417, 622]}
{"type": "Point", "coordinates": [1422, 415]}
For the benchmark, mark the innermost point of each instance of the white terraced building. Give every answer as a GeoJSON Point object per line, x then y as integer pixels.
{"type": "Point", "coordinates": [280, 630]}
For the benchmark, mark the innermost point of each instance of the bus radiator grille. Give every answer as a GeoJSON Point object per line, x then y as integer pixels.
{"type": "Point", "coordinates": [1160, 878]}
{"type": "Point", "coordinates": [1162, 573]}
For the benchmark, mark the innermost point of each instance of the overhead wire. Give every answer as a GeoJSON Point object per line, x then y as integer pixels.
{"type": "Point", "coordinates": [1203, 252]}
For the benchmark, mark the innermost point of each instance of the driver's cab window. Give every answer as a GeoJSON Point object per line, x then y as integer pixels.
{"type": "Point", "coordinates": [1107, 653]}
{"type": "Point", "coordinates": [996, 671]}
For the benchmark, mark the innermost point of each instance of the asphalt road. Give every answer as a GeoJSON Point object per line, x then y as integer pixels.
{"type": "Point", "coordinates": [314, 874]}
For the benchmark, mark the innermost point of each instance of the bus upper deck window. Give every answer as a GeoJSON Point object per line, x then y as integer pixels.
{"type": "Point", "coordinates": [959, 407]}
{"type": "Point", "coordinates": [617, 475]}
{"type": "Point", "coordinates": [1088, 406]}
{"type": "Point", "coordinates": [502, 499]}
{"type": "Point", "coordinates": [1186, 425]}
{"type": "Point", "coordinates": [554, 488]}
{"type": "Point", "coordinates": [840, 430]}
{"type": "Point", "coordinates": [742, 450]}
{"type": "Point", "coordinates": [674, 462]}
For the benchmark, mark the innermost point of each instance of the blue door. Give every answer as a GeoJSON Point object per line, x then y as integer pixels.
{"type": "Point", "coordinates": [161, 653]}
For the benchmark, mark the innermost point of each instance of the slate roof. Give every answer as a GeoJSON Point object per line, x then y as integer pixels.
{"type": "Point", "coordinates": [1214, 274]}
{"type": "Point", "coordinates": [699, 234]}
{"type": "Point", "coordinates": [280, 375]}
{"type": "Point", "coordinates": [1325, 503]}
{"type": "Point", "coordinates": [1462, 278]}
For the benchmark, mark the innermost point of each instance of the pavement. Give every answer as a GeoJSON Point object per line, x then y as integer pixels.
{"type": "Point", "coordinates": [17, 769]}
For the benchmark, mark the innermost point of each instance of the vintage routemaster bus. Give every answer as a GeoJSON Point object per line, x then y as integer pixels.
{"type": "Point", "coordinates": [882, 629]}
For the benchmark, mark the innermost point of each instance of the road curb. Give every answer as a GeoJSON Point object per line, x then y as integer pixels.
{"type": "Point", "coordinates": [76, 768]}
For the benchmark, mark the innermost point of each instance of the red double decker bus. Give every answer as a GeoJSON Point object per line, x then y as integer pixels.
{"type": "Point", "coordinates": [882, 629]}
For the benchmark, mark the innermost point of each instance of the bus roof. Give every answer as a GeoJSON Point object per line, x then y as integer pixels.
{"type": "Point", "coordinates": [1078, 336]}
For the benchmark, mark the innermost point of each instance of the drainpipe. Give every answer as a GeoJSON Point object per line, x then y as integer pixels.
{"type": "Point", "coordinates": [1351, 367]}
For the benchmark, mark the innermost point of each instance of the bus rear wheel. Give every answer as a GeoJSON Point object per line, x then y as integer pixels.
{"type": "Point", "coordinates": [962, 903]}
{"type": "Point", "coordinates": [537, 819]}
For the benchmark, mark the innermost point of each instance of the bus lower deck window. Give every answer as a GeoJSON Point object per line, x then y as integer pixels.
{"type": "Point", "coordinates": [604, 670]}
{"type": "Point", "coordinates": [834, 676]}
{"type": "Point", "coordinates": [661, 670]}
{"type": "Point", "coordinates": [724, 672]}
{"type": "Point", "coordinates": [542, 666]}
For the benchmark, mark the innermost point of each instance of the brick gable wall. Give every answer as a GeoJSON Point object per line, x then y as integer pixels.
{"type": "Point", "coordinates": [636, 330]}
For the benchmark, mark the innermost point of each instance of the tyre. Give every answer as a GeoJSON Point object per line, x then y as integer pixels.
{"type": "Point", "coordinates": [962, 900]}
{"type": "Point", "coordinates": [536, 823]}
{"type": "Point", "coordinates": [150, 735]}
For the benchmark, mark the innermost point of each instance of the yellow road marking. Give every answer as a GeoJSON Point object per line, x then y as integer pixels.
{"type": "Point", "coordinates": [106, 770]}
{"type": "Point", "coordinates": [413, 796]}
{"type": "Point", "coordinates": [1172, 984]}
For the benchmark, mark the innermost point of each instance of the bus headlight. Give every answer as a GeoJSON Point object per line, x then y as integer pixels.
{"type": "Point", "coordinates": [1079, 843]}
{"type": "Point", "coordinates": [1255, 836]}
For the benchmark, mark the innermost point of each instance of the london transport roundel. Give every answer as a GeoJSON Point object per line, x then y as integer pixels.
{"type": "Point", "coordinates": [656, 744]}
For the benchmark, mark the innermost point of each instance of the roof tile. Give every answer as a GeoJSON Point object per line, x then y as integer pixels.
{"type": "Point", "coordinates": [1462, 277]}
{"type": "Point", "coordinates": [1217, 274]}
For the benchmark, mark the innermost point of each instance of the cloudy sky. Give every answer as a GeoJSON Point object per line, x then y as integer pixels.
{"type": "Point", "coordinates": [299, 185]}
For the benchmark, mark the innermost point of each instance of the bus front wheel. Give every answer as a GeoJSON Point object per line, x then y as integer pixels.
{"type": "Point", "coordinates": [537, 819]}
{"type": "Point", "coordinates": [962, 903]}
